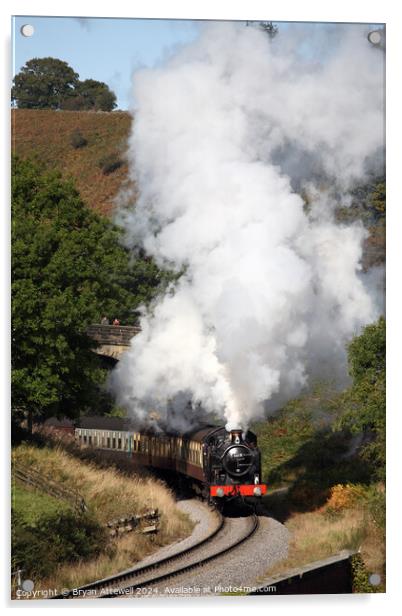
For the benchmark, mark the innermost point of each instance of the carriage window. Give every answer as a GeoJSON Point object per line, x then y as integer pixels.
{"type": "Point", "coordinates": [119, 443]}
{"type": "Point", "coordinates": [85, 439]}
{"type": "Point", "coordinates": [108, 442]}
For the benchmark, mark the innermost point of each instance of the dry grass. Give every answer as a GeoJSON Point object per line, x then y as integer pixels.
{"type": "Point", "coordinates": [125, 552]}
{"type": "Point", "coordinates": [315, 536]}
{"type": "Point", "coordinates": [45, 135]}
{"type": "Point", "coordinates": [108, 493]}
{"type": "Point", "coordinates": [342, 524]}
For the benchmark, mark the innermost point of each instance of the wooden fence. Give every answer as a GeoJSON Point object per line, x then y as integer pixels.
{"type": "Point", "coordinates": [42, 482]}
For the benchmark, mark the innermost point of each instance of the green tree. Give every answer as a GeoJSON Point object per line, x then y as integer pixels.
{"type": "Point", "coordinates": [91, 95]}
{"type": "Point", "coordinates": [269, 28]}
{"type": "Point", "coordinates": [68, 269]}
{"type": "Point", "coordinates": [365, 400]}
{"type": "Point", "coordinates": [43, 83]}
{"type": "Point", "coordinates": [378, 199]}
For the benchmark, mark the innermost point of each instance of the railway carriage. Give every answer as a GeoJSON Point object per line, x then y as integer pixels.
{"type": "Point", "coordinates": [221, 464]}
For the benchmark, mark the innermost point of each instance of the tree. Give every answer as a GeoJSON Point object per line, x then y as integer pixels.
{"type": "Point", "coordinates": [43, 83]}
{"type": "Point", "coordinates": [378, 199]}
{"type": "Point", "coordinates": [266, 26]}
{"type": "Point", "coordinates": [90, 95]}
{"type": "Point", "coordinates": [96, 95]}
{"type": "Point", "coordinates": [68, 270]}
{"type": "Point", "coordinates": [365, 400]}
{"type": "Point", "coordinates": [269, 28]}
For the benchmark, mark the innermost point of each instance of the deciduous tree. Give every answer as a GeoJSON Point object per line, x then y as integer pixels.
{"type": "Point", "coordinates": [68, 270]}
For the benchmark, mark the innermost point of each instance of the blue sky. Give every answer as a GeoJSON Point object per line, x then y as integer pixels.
{"type": "Point", "coordinates": [108, 50]}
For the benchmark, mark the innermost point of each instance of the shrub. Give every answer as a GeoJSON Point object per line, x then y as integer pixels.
{"type": "Point", "coordinates": [56, 538]}
{"type": "Point", "coordinates": [343, 497]}
{"type": "Point", "coordinates": [77, 139]}
{"type": "Point", "coordinates": [361, 580]}
{"type": "Point", "coordinates": [110, 163]}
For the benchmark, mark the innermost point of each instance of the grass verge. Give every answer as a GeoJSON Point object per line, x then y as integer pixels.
{"type": "Point", "coordinates": [109, 493]}
{"type": "Point", "coordinates": [345, 522]}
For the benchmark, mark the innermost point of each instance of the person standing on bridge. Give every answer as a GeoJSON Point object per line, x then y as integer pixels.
{"type": "Point", "coordinates": [116, 322]}
{"type": "Point", "coordinates": [104, 321]}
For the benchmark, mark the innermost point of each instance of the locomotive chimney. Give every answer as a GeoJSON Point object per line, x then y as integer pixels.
{"type": "Point", "coordinates": [235, 436]}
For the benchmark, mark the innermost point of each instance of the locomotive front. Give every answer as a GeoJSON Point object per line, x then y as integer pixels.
{"type": "Point", "coordinates": [234, 465]}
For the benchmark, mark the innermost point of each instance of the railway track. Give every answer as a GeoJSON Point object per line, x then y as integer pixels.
{"type": "Point", "coordinates": [131, 582]}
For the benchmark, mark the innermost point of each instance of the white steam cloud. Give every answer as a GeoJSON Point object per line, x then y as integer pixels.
{"type": "Point", "coordinates": [225, 133]}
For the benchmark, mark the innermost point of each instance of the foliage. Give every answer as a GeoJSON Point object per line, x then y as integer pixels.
{"type": "Point", "coordinates": [77, 139]}
{"type": "Point", "coordinates": [377, 199]}
{"type": "Point", "coordinates": [110, 163]}
{"type": "Point", "coordinates": [343, 496]}
{"type": "Point", "coordinates": [289, 431]}
{"type": "Point", "coordinates": [364, 402]}
{"type": "Point", "coordinates": [43, 83]}
{"type": "Point", "coordinates": [54, 539]}
{"type": "Point", "coordinates": [68, 269]}
{"type": "Point", "coordinates": [50, 83]}
{"type": "Point", "coordinates": [368, 203]}
{"type": "Point", "coordinates": [361, 577]}
{"type": "Point", "coordinates": [90, 95]}
{"type": "Point", "coordinates": [269, 28]}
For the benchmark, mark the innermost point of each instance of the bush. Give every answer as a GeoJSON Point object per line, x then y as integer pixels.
{"type": "Point", "coordinates": [110, 163]}
{"type": "Point", "coordinates": [361, 577]}
{"type": "Point", "coordinates": [343, 497]}
{"type": "Point", "coordinates": [55, 539]}
{"type": "Point", "coordinates": [77, 139]}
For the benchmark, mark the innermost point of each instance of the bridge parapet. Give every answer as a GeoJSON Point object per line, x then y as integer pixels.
{"type": "Point", "coordinates": [113, 335]}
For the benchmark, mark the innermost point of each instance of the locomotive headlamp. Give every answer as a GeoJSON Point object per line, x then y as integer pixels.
{"type": "Point", "coordinates": [220, 492]}
{"type": "Point", "coordinates": [257, 491]}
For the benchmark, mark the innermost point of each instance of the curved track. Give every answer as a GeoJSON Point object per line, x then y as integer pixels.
{"type": "Point", "coordinates": [95, 588]}
{"type": "Point", "coordinates": [131, 582]}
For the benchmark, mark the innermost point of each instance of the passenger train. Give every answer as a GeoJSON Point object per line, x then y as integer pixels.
{"type": "Point", "coordinates": [220, 464]}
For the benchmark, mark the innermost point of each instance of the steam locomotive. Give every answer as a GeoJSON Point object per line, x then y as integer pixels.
{"type": "Point", "coordinates": [220, 464]}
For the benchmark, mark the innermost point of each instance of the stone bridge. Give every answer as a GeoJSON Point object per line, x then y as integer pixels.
{"type": "Point", "coordinates": [112, 340]}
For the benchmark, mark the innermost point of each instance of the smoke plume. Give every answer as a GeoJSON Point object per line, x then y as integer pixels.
{"type": "Point", "coordinates": [227, 135]}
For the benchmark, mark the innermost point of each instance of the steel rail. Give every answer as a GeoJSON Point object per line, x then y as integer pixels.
{"type": "Point", "coordinates": [120, 591]}
{"type": "Point", "coordinates": [139, 571]}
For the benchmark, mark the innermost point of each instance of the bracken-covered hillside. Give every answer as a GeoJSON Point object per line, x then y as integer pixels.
{"type": "Point", "coordinates": [57, 140]}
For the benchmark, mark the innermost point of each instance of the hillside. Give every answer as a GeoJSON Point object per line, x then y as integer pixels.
{"type": "Point", "coordinates": [47, 136]}
{"type": "Point", "coordinates": [74, 546]}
